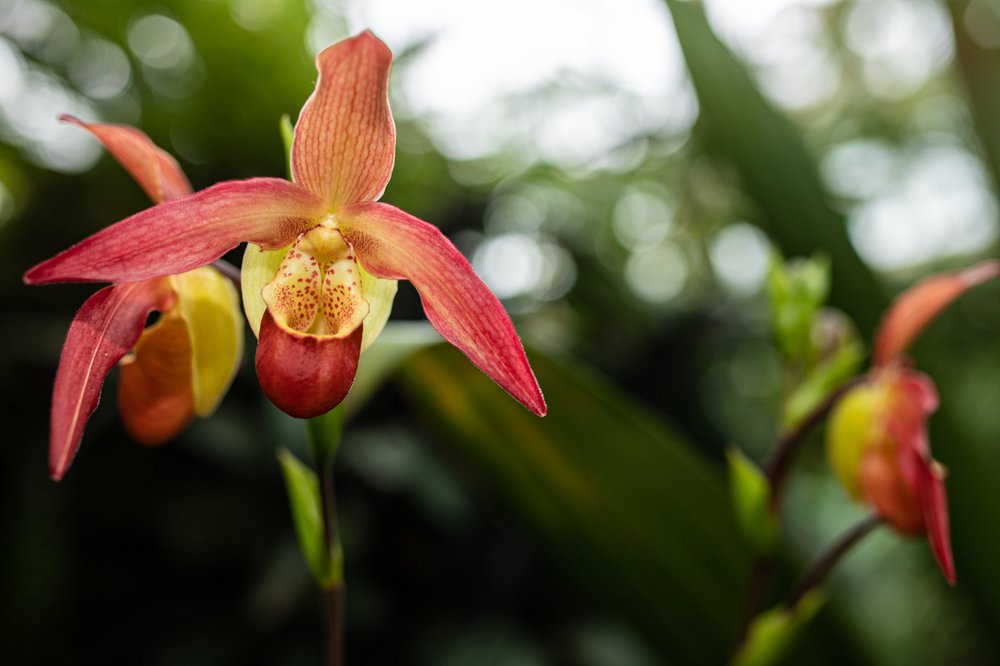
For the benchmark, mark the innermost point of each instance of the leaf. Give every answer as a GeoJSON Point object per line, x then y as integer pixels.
{"type": "Point", "coordinates": [796, 291]}
{"type": "Point", "coordinates": [325, 563]}
{"type": "Point", "coordinates": [618, 496]}
{"type": "Point", "coordinates": [773, 632]}
{"type": "Point", "coordinates": [751, 497]}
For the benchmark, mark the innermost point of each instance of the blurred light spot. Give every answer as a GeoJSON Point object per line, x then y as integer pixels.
{"type": "Point", "coordinates": [160, 42]}
{"type": "Point", "coordinates": [572, 86]}
{"type": "Point", "coordinates": [511, 264]}
{"type": "Point", "coordinates": [254, 15]}
{"type": "Point", "coordinates": [99, 69]}
{"type": "Point", "coordinates": [641, 218]}
{"type": "Point", "coordinates": [940, 207]}
{"type": "Point", "coordinates": [657, 274]}
{"type": "Point", "coordinates": [739, 255]}
{"type": "Point", "coordinates": [982, 22]}
{"type": "Point", "coordinates": [903, 42]}
{"type": "Point", "coordinates": [11, 72]}
{"type": "Point", "coordinates": [324, 29]}
{"type": "Point", "coordinates": [860, 169]}
{"type": "Point", "coordinates": [514, 212]}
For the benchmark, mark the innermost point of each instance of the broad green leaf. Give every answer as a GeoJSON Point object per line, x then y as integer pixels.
{"type": "Point", "coordinates": [751, 497]}
{"type": "Point", "coordinates": [304, 499]}
{"type": "Point", "coordinates": [621, 498]}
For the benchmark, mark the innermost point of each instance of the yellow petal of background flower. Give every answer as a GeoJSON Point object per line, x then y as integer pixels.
{"type": "Point", "coordinates": [209, 304]}
{"type": "Point", "coordinates": [850, 431]}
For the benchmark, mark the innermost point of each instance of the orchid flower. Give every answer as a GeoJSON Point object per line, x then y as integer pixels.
{"type": "Point", "coordinates": [877, 438]}
{"type": "Point", "coordinates": [319, 275]}
{"type": "Point", "coordinates": [171, 371]}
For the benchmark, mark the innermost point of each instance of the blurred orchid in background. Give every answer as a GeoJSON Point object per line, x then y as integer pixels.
{"type": "Point", "coordinates": [321, 283]}
{"type": "Point", "coordinates": [877, 438]}
{"type": "Point", "coordinates": [178, 367]}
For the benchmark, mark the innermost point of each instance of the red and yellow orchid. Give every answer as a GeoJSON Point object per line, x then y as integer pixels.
{"type": "Point", "coordinates": [171, 371]}
{"type": "Point", "coordinates": [319, 275]}
{"type": "Point", "coordinates": [877, 438]}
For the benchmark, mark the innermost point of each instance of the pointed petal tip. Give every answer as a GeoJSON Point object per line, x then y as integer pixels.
{"type": "Point", "coordinates": [70, 119]}
{"type": "Point", "coordinates": [980, 273]}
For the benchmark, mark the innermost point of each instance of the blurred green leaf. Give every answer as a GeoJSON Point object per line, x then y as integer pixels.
{"type": "Point", "coordinates": [618, 495]}
{"type": "Point", "coordinates": [777, 170]}
{"type": "Point", "coordinates": [287, 137]}
{"type": "Point", "coordinates": [305, 501]}
{"type": "Point", "coordinates": [751, 497]}
{"type": "Point", "coordinates": [773, 632]}
{"type": "Point", "coordinates": [796, 290]}
{"type": "Point", "coordinates": [821, 381]}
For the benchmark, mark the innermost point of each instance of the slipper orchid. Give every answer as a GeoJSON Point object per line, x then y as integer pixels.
{"type": "Point", "coordinates": [877, 438]}
{"type": "Point", "coordinates": [319, 273]}
{"type": "Point", "coordinates": [171, 371]}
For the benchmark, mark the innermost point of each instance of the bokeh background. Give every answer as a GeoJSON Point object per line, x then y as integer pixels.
{"type": "Point", "coordinates": [618, 171]}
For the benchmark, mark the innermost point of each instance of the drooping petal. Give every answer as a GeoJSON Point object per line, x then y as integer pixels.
{"type": "Point", "coordinates": [345, 138]}
{"type": "Point", "coordinates": [155, 394]}
{"type": "Point", "coordinates": [395, 245]}
{"type": "Point", "coordinates": [102, 333]}
{"type": "Point", "coordinates": [209, 304]}
{"type": "Point", "coordinates": [180, 235]}
{"type": "Point", "coordinates": [885, 488]}
{"type": "Point", "coordinates": [305, 375]}
{"type": "Point", "coordinates": [918, 306]}
{"type": "Point", "coordinates": [930, 485]}
{"type": "Point", "coordinates": [156, 171]}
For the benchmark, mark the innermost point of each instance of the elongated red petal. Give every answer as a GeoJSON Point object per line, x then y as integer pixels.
{"type": "Point", "coordinates": [102, 333]}
{"type": "Point", "coordinates": [930, 486]}
{"type": "Point", "coordinates": [345, 139]}
{"type": "Point", "coordinates": [156, 171]}
{"type": "Point", "coordinates": [918, 306]}
{"type": "Point", "coordinates": [180, 235]}
{"type": "Point", "coordinates": [305, 375]}
{"type": "Point", "coordinates": [395, 245]}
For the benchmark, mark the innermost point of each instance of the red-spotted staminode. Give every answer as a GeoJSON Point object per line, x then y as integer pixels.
{"type": "Point", "coordinates": [328, 251]}
{"type": "Point", "coordinates": [171, 371]}
{"type": "Point", "coordinates": [877, 436]}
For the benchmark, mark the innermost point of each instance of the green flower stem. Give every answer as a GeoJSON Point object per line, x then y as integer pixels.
{"type": "Point", "coordinates": [815, 576]}
{"type": "Point", "coordinates": [778, 466]}
{"type": "Point", "coordinates": [324, 433]}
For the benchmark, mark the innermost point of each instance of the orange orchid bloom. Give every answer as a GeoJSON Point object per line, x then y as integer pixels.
{"type": "Point", "coordinates": [319, 275]}
{"type": "Point", "coordinates": [179, 367]}
{"type": "Point", "coordinates": [877, 437]}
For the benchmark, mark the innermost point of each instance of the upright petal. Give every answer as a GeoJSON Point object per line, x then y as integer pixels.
{"type": "Point", "coordinates": [345, 139]}
{"type": "Point", "coordinates": [155, 396]}
{"type": "Point", "coordinates": [102, 333]}
{"type": "Point", "coordinates": [395, 245]}
{"type": "Point", "coordinates": [181, 235]}
{"type": "Point", "coordinates": [918, 306]}
{"type": "Point", "coordinates": [156, 171]}
{"type": "Point", "coordinates": [305, 375]}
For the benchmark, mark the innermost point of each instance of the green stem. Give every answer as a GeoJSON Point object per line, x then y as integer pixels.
{"type": "Point", "coordinates": [324, 433]}
{"type": "Point", "coordinates": [824, 565]}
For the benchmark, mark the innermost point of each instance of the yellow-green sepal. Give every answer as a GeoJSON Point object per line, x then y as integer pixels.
{"type": "Point", "coordinates": [209, 304]}
{"type": "Point", "coordinates": [750, 492]}
{"type": "Point", "coordinates": [849, 431]}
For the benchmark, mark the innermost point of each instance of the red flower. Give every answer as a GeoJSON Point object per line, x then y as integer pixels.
{"type": "Point", "coordinates": [877, 437]}
{"type": "Point", "coordinates": [342, 242]}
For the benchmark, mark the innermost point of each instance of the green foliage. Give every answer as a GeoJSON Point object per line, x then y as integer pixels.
{"type": "Point", "coordinates": [304, 498]}
{"type": "Point", "coordinates": [623, 499]}
{"type": "Point", "coordinates": [773, 633]}
{"type": "Point", "coordinates": [751, 497]}
{"type": "Point", "coordinates": [797, 290]}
